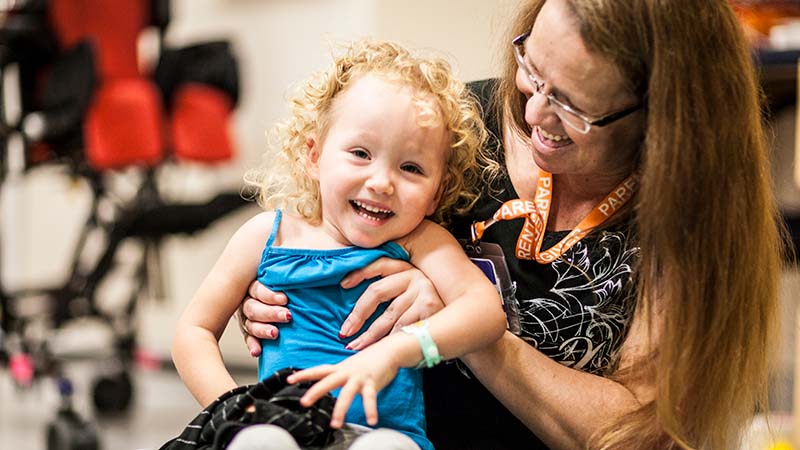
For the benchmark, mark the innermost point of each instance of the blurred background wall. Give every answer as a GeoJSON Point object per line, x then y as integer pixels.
{"type": "Point", "coordinates": [278, 44]}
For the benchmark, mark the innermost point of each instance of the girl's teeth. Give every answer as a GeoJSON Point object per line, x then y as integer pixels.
{"type": "Point", "coordinates": [371, 208]}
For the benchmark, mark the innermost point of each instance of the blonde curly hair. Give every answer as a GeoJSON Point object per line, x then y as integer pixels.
{"type": "Point", "coordinates": [282, 182]}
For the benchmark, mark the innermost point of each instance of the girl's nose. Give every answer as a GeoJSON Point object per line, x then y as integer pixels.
{"type": "Point", "coordinates": [380, 182]}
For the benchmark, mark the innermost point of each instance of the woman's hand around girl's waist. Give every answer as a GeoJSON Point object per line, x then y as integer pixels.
{"type": "Point", "coordinates": [414, 297]}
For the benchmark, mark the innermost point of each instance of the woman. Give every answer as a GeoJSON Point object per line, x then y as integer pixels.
{"type": "Point", "coordinates": [655, 329]}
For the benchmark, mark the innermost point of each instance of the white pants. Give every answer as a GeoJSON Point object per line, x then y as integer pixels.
{"type": "Point", "coordinates": [350, 437]}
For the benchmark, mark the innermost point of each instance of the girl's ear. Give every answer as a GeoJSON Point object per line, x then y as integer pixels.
{"type": "Point", "coordinates": [312, 158]}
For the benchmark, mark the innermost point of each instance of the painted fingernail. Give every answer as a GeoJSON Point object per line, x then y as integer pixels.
{"type": "Point", "coordinates": [341, 336]}
{"type": "Point", "coordinates": [345, 330]}
{"type": "Point", "coordinates": [348, 346]}
{"type": "Point", "coordinates": [288, 316]}
{"type": "Point", "coordinates": [273, 333]}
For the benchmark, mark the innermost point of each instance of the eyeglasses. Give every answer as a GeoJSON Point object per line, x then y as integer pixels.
{"type": "Point", "coordinates": [574, 119]}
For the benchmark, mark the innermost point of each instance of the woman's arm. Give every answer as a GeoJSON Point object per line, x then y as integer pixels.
{"type": "Point", "coordinates": [561, 405]}
{"type": "Point", "coordinates": [195, 348]}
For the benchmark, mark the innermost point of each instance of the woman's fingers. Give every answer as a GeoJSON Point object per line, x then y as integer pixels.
{"type": "Point", "coordinates": [253, 345]}
{"type": "Point", "coordinates": [426, 303]}
{"type": "Point", "coordinates": [255, 311]}
{"type": "Point", "coordinates": [258, 312]}
{"type": "Point", "coordinates": [385, 322]}
{"type": "Point", "coordinates": [260, 330]}
{"type": "Point", "coordinates": [383, 290]}
{"type": "Point", "coordinates": [263, 294]}
{"type": "Point", "coordinates": [381, 267]}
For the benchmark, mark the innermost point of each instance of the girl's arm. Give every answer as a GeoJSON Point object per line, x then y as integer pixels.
{"type": "Point", "coordinates": [473, 318]}
{"type": "Point", "coordinates": [195, 347]}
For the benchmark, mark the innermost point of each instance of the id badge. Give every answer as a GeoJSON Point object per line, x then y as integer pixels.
{"type": "Point", "coordinates": [490, 259]}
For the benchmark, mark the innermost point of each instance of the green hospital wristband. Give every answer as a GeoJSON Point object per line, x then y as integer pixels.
{"type": "Point", "coordinates": [430, 352]}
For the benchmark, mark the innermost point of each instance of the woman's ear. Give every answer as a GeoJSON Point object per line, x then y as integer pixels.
{"type": "Point", "coordinates": [312, 158]}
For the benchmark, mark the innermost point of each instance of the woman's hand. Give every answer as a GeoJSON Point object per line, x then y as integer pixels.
{"type": "Point", "coordinates": [414, 297]}
{"type": "Point", "coordinates": [259, 310]}
{"type": "Point", "coordinates": [364, 373]}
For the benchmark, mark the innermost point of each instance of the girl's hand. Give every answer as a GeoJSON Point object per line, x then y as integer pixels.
{"type": "Point", "coordinates": [257, 313]}
{"type": "Point", "coordinates": [362, 373]}
{"type": "Point", "coordinates": [414, 297]}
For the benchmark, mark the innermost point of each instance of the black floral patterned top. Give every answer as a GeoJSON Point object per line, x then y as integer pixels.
{"type": "Point", "coordinates": [576, 310]}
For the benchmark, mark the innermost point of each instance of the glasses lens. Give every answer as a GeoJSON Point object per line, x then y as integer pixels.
{"type": "Point", "coordinates": [571, 120]}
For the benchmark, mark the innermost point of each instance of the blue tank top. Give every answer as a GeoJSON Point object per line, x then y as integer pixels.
{"type": "Point", "coordinates": [310, 279]}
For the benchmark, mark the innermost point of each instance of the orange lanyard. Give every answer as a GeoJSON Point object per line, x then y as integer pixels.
{"type": "Point", "coordinates": [529, 243]}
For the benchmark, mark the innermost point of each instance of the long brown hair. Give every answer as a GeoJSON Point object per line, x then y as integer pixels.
{"type": "Point", "coordinates": [705, 217]}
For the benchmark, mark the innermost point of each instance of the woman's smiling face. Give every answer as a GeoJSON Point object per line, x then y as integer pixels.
{"type": "Point", "coordinates": [589, 83]}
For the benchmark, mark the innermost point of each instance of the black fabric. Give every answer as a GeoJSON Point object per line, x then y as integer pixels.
{"type": "Point", "coordinates": [160, 219]}
{"type": "Point", "coordinates": [27, 39]}
{"type": "Point", "coordinates": [160, 14]}
{"type": "Point", "coordinates": [575, 311]}
{"type": "Point", "coordinates": [211, 63]}
{"type": "Point", "coordinates": [276, 402]}
{"type": "Point", "coordinates": [68, 91]}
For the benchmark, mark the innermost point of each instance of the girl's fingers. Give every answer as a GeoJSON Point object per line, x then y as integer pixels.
{"type": "Point", "coordinates": [314, 373]}
{"type": "Point", "coordinates": [346, 396]}
{"type": "Point", "coordinates": [369, 399]}
{"type": "Point", "coordinates": [321, 388]}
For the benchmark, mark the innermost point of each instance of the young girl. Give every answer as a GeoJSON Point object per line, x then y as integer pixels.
{"type": "Point", "coordinates": [377, 144]}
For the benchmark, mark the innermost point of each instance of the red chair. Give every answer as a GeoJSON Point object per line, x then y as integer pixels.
{"type": "Point", "coordinates": [126, 123]}
{"type": "Point", "coordinates": [85, 102]}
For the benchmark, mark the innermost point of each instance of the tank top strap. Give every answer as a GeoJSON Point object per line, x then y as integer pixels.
{"type": "Point", "coordinates": [275, 225]}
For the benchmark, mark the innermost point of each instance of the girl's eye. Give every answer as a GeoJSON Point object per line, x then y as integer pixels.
{"type": "Point", "coordinates": [360, 153]}
{"type": "Point", "coordinates": [412, 168]}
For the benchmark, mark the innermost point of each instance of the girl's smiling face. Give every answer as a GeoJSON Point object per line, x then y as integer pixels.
{"type": "Point", "coordinates": [381, 163]}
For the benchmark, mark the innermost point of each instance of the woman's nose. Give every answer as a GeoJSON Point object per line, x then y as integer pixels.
{"type": "Point", "coordinates": [537, 105]}
{"type": "Point", "coordinates": [537, 109]}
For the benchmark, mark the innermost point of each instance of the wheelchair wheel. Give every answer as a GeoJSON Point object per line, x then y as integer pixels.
{"type": "Point", "coordinates": [69, 432]}
{"type": "Point", "coordinates": [112, 394]}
